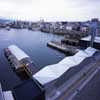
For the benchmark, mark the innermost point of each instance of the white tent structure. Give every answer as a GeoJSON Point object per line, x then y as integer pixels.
{"type": "Point", "coordinates": [52, 72]}
{"type": "Point", "coordinates": [5, 95]}
{"type": "Point", "coordinates": [17, 52]}
{"type": "Point", "coordinates": [8, 95]}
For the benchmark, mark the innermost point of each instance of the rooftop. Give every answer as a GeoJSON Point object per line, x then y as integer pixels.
{"type": "Point", "coordinates": [18, 53]}
{"type": "Point", "coordinates": [52, 72]}
{"type": "Point", "coordinates": [88, 38]}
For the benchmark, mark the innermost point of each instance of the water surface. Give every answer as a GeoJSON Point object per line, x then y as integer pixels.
{"type": "Point", "coordinates": [34, 44]}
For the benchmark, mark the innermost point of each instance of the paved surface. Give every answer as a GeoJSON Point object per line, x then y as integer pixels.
{"type": "Point", "coordinates": [70, 89]}
{"type": "Point", "coordinates": [91, 91]}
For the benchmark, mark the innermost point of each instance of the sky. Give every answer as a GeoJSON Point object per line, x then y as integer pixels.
{"type": "Point", "coordinates": [50, 10]}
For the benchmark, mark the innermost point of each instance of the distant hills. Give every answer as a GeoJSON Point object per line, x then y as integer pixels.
{"type": "Point", "coordinates": [3, 20]}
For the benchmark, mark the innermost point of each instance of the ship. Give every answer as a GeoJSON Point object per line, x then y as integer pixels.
{"type": "Point", "coordinates": [20, 62]}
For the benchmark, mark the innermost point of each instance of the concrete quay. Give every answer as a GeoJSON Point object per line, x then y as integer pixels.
{"type": "Point", "coordinates": [63, 48]}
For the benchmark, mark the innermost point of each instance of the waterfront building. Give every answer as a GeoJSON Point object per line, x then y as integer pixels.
{"type": "Point", "coordinates": [53, 72]}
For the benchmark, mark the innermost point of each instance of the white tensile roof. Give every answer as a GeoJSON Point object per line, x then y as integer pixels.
{"type": "Point", "coordinates": [8, 95]}
{"type": "Point", "coordinates": [88, 38]}
{"type": "Point", "coordinates": [17, 52]}
{"type": "Point", "coordinates": [52, 72]}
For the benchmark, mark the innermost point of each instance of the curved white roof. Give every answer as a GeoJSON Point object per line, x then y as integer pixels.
{"type": "Point", "coordinates": [52, 72]}
{"type": "Point", "coordinates": [17, 52]}
{"type": "Point", "coordinates": [8, 95]}
{"type": "Point", "coordinates": [5, 95]}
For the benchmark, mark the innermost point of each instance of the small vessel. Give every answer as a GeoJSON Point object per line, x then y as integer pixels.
{"type": "Point", "coordinates": [20, 62]}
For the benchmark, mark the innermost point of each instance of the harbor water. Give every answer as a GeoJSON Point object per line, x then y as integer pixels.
{"type": "Point", "coordinates": [34, 43]}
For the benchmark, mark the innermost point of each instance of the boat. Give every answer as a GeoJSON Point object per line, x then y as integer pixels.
{"type": "Point", "coordinates": [20, 62]}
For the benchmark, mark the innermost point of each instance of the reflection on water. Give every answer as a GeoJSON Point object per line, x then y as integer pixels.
{"type": "Point", "coordinates": [34, 44]}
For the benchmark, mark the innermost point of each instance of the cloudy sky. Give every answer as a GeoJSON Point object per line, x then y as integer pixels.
{"type": "Point", "coordinates": [50, 10]}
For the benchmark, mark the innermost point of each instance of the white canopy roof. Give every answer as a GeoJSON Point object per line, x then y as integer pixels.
{"type": "Point", "coordinates": [8, 95]}
{"type": "Point", "coordinates": [88, 38]}
{"type": "Point", "coordinates": [52, 72]}
{"type": "Point", "coordinates": [17, 52]}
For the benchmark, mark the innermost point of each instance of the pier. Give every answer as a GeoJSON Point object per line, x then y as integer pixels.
{"type": "Point", "coordinates": [67, 49]}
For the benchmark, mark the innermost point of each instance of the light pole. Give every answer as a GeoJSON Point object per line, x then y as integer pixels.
{"type": "Point", "coordinates": [93, 33]}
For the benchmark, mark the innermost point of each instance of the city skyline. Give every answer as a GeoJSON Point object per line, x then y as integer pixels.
{"type": "Point", "coordinates": [50, 10]}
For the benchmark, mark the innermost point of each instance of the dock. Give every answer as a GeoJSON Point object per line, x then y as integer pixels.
{"type": "Point", "coordinates": [73, 42]}
{"type": "Point", "coordinates": [67, 49]}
